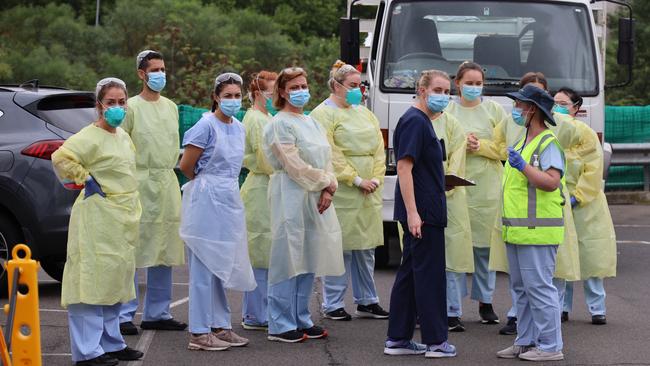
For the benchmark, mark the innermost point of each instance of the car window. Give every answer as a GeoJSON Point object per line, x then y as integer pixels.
{"type": "Point", "coordinates": [68, 112]}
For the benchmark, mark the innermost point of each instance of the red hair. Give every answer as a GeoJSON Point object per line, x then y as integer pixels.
{"type": "Point", "coordinates": [260, 81]}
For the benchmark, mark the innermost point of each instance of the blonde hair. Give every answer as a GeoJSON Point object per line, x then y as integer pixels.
{"type": "Point", "coordinates": [427, 76]}
{"type": "Point", "coordinates": [284, 77]}
{"type": "Point", "coordinates": [340, 71]}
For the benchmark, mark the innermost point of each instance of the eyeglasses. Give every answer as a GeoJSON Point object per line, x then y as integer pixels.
{"type": "Point", "coordinates": [292, 70]}
{"type": "Point", "coordinates": [226, 77]}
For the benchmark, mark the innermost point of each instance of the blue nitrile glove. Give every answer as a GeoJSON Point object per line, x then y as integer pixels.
{"type": "Point", "coordinates": [92, 187]}
{"type": "Point", "coordinates": [574, 202]}
{"type": "Point", "coordinates": [515, 159]}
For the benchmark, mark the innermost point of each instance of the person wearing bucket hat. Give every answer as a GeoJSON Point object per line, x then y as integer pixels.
{"type": "Point", "coordinates": [152, 123]}
{"type": "Point", "coordinates": [533, 227]}
{"type": "Point", "coordinates": [508, 133]}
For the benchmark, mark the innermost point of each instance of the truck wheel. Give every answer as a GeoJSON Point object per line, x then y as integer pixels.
{"type": "Point", "coordinates": [54, 268]}
{"type": "Point", "coordinates": [9, 237]}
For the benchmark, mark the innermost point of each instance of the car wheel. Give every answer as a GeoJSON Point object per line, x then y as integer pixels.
{"type": "Point", "coordinates": [9, 237]}
{"type": "Point", "coordinates": [54, 268]}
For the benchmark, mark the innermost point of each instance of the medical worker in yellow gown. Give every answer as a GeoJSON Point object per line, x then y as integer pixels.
{"type": "Point", "coordinates": [152, 123]}
{"type": "Point", "coordinates": [593, 221]}
{"type": "Point", "coordinates": [254, 195]}
{"type": "Point", "coordinates": [360, 164]}
{"type": "Point", "coordinates": [478, 117]}
{"type": "Point", "coordinates": [103, 230]}
{"type": "Point", "coordinates": [306, 235]}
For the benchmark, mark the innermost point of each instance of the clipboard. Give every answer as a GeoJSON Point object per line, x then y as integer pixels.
{"type": "Point", "coordinates": [452, 180]}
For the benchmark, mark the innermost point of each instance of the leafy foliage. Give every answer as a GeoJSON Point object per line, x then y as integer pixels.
{"type": "Point", "coordinates": [58, 43]}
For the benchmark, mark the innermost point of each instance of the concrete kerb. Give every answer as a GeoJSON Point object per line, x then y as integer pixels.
{"type": "Point", "coordinates": [628, 198]}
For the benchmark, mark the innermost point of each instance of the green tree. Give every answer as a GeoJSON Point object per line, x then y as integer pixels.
{"type": "Point", "coordinates": [638, 92]}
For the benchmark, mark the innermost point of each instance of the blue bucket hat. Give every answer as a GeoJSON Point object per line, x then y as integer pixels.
{"type": "Point", "coordinates": [532, 94]}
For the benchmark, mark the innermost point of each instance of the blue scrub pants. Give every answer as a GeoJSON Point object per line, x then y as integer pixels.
{"type": "Point", "coordinates": [360, 265]}
{"type": "Point", "coordinates": [255, 303]}
{"type": "Point", "coordinates": [289, 304]}
{"type": "Point", "coordinates": [456, 291]}
{"type": "Point", "coordinates": [420, 288]}
{"type": "Point", "coordinates": [559, 284]}
{"type": "Point", "coordinates": [483, 280]}
{"type": "Point", "coordinates": [594, 296]}
{"type": "Point", "coordinates": [538, 306]}
{"type": "Point", "coordinates": [94, 330]}
{"type": "Point", "coordinates": [208, 305]}
{"type": "Point", "coordinates": [157, 298]}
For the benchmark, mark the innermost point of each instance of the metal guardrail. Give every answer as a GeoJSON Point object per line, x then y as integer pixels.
{"type": "Point", "coordinates": [633, 154]}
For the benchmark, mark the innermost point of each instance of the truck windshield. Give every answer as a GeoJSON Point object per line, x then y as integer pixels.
{"type": "Point", "coordinates": [507, 38]}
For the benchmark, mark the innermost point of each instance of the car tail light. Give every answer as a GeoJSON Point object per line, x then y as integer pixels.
{"type": "Point", "coordinates": [384, 134]}
{"type": "Point", "coordinates": [42, 149]}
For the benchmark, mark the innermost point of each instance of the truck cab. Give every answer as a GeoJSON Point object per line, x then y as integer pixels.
{"type": "Point", "coordinates": [564, 39]}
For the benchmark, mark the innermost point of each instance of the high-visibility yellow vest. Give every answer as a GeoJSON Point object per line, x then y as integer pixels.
{"type": "Point", "coordinates": [532, 216]}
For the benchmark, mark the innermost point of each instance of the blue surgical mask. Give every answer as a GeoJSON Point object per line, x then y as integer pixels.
{"type": "Point", "coordinates": [299, 98]}
{"type": "Point", "coordinates": [561, 109]}
{"type": "Point", "coordinates": [518, 116]}
{"type": "Point", "coordinates": [230, 107]}
{"type": "Point", "coordinates": [437, 102]}
{"type": "Point", "coordinates": [156, 81]}
{"type": "Point", "coordinates": [114, 115]}
{"type": "Point", "coordinates": [471, 92]}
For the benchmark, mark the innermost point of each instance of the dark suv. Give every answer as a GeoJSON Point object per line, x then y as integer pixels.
{"type": "Point", "coordinates": [34, 206]}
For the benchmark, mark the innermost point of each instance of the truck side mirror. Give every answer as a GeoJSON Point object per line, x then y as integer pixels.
{"type": "Point", "coordinates": [625, 54]}
{"type": "Point", "coordinates": [349, 32]}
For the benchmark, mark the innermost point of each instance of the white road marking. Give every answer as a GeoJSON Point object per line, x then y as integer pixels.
{"type": "Point", "coordinates": [179, 302]}
{"type": "Point", "coordinates": [633, 242]}
{"type": "Point", "coordinates": [632, 225]}
{"type": "Point", "coordinates": [147, 336]}
{"type": "Point", "coordinates": [54, 310]}
{"type": "Point", "coordinates": [56, 354]}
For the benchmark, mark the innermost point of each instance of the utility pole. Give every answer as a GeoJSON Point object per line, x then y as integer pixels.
{"type": "Point", "coordinates": [97, 13]}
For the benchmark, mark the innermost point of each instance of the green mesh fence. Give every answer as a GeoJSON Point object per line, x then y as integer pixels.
{"type": "Point", "coordinates": [626, 125]}
{"type": "Point", "coordinates": [187, 117]}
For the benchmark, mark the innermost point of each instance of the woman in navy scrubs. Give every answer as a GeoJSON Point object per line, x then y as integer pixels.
{"type": "Point", "coordinates": [419, 291]}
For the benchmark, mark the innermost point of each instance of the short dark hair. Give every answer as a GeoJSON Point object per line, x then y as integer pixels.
{"type": "Point", "coordinates": [144, 63]}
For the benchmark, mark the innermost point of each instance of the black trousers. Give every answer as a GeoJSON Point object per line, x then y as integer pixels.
{"type": "Point", "coordinates": [420, 289]}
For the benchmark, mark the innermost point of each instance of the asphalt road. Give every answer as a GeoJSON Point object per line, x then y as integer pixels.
{"type": "Point", "coordinates": [625, 340]}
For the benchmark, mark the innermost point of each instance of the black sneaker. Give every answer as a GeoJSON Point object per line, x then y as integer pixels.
{"type": "Point", "coordinates": [373, 311]}
{"type": "Point", "coordinates": [127, 354]}
{"type": "Point", "coordinates": [565, 316]}
{"type": "Point", "coordinates": [292, 336]}
{"type": "Point", "coordinates": [163, 324]}
{"type": "Point", "coordinates": [598, 320]}
{"type": "Point", "coordinates": [487, 314]}
{"type": "Point", "coordinates": [510, 328]}
{"type": "Point", "coordinates": [128, 328]}
{"type": "Point", "coordinates": [455, 325]}
{"type": "Point", "coordinates": [103, 360]}
{"type": "Point", "coordinates": [338, 314]}
{"type": "Point", "coordinates": [314, 332]}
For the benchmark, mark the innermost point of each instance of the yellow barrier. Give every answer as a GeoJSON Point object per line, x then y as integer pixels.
{"type": "Point", "coordinates": [26, 332]}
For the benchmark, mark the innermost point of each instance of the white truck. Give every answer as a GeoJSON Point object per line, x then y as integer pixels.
{"type": "Point", "coordinates": [564, 39]}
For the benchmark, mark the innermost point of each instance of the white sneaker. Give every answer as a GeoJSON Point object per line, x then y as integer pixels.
{"type": "Point", "coordinates": [536, 354]}
{"type": "Point", "coordinates": [513, 351]}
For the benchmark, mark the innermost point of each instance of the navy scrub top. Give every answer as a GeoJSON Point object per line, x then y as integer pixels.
{"type": "Point", "coordinates": [415, 137]}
